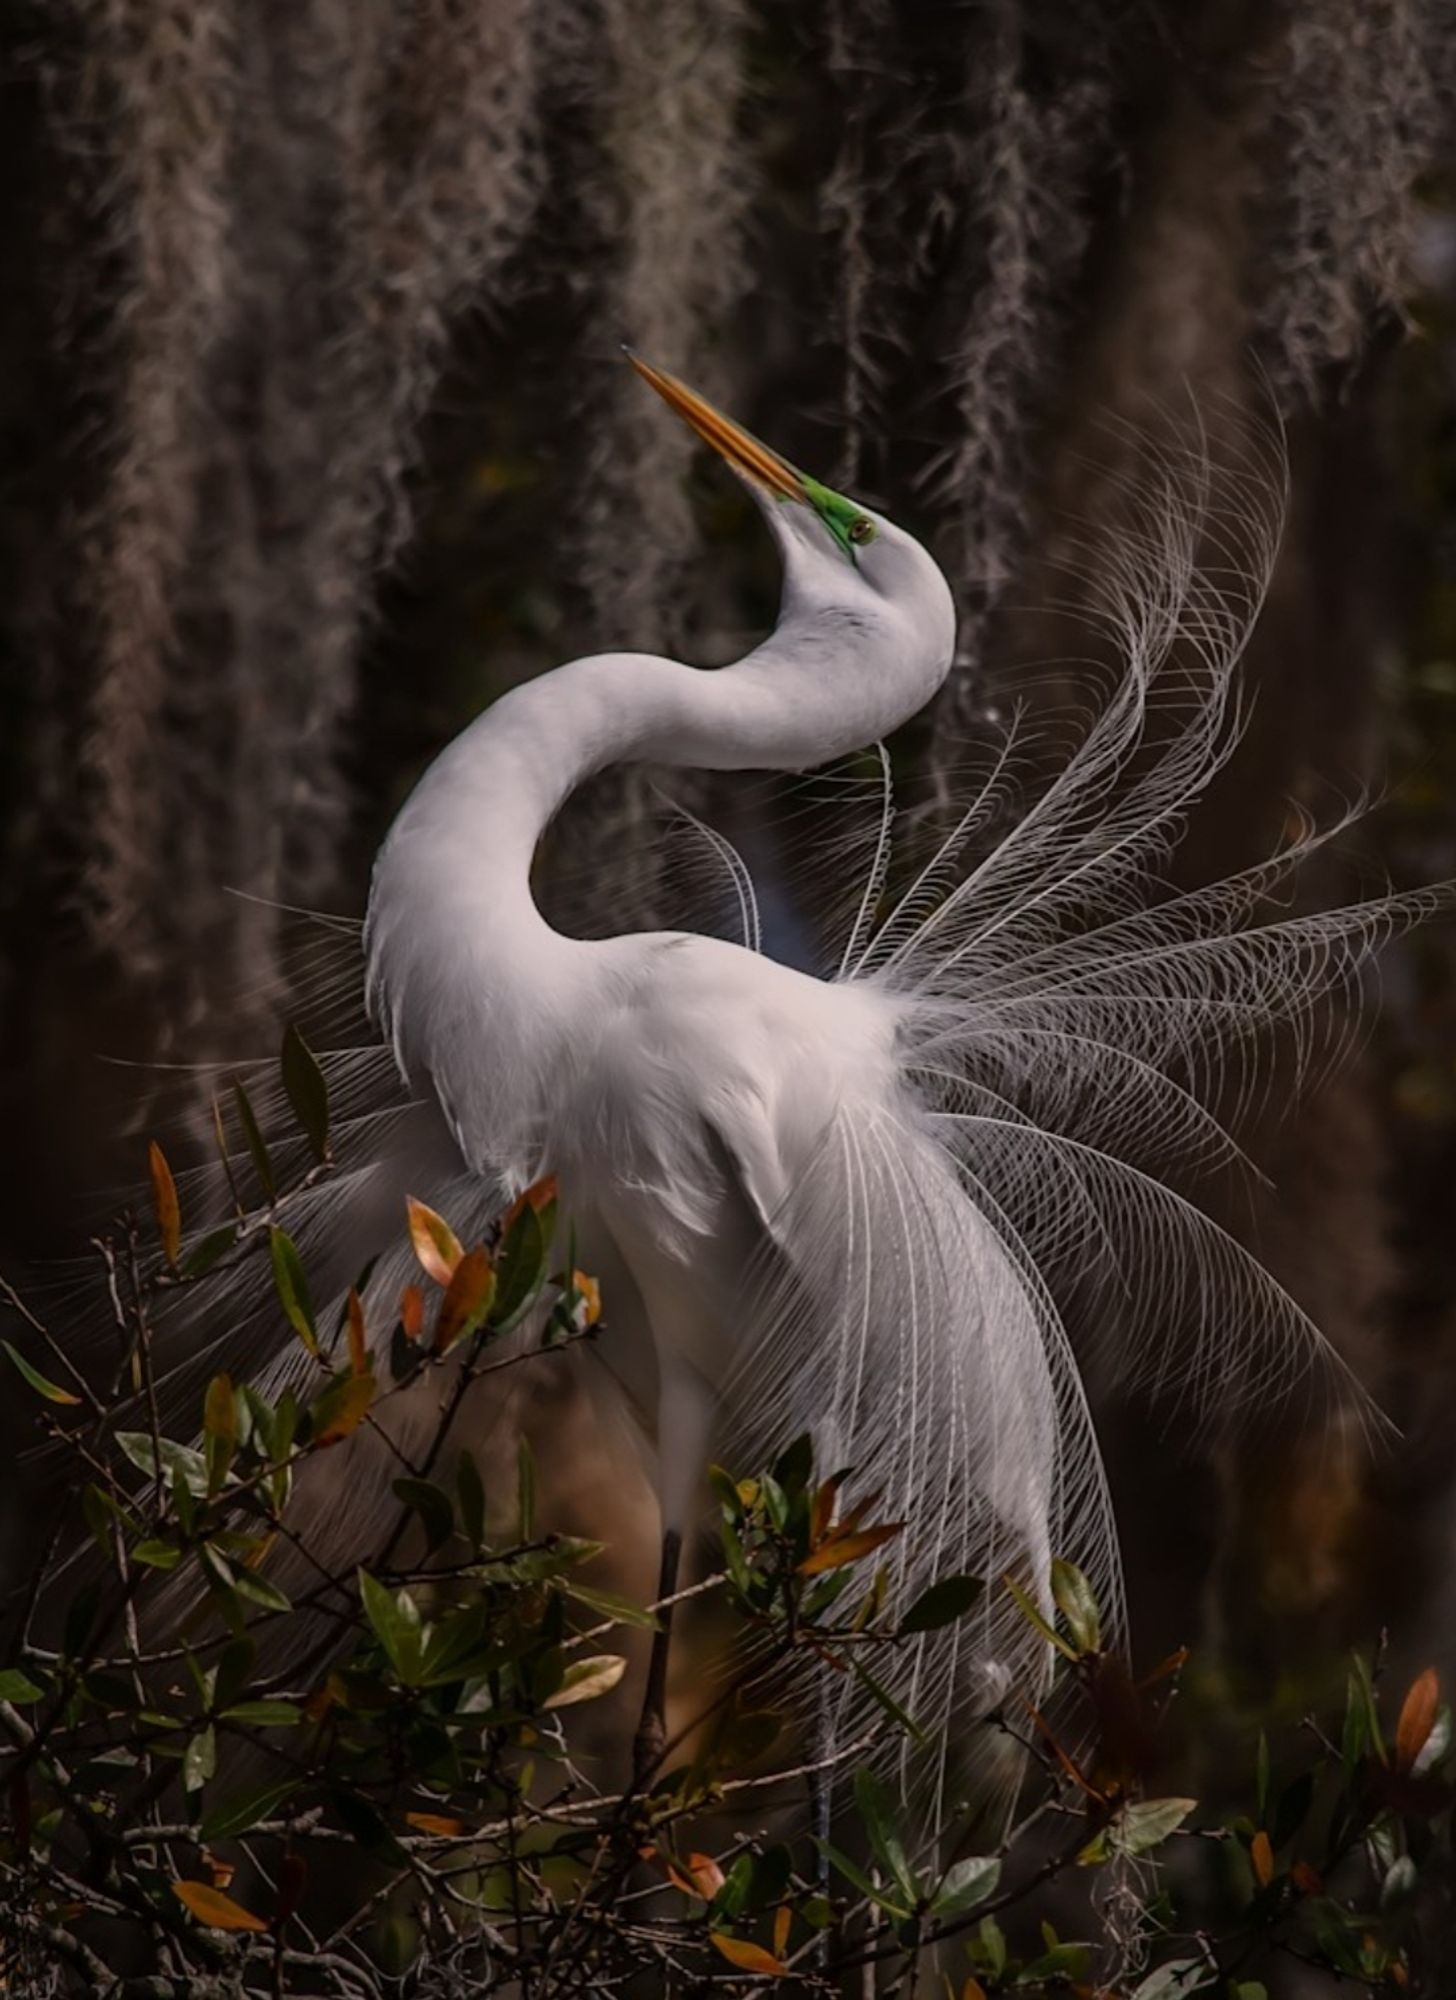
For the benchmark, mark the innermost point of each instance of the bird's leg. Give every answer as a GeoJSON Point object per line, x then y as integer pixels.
{"type": "Point", "coordinates": [684, 1424]}
{"type": "Point", "coordinates": [651, 1738]}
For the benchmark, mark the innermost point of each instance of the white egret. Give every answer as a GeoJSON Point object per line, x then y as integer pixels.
{"type": "Point", "coordinates": [835, 1203]}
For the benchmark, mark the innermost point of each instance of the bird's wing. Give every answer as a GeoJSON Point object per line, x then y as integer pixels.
{"type": "Point", "coordinates": [901, 1324]}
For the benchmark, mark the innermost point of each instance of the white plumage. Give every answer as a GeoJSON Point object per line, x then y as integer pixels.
{"type": "Point", "coordinates": [841, 1203]}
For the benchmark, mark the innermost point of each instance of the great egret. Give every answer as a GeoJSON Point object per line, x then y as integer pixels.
{"type": "Point", "coordinates": [835, 1203]}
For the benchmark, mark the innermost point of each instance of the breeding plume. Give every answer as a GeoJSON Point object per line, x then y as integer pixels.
{"type": "Point", "coordinates": [845, 1203]}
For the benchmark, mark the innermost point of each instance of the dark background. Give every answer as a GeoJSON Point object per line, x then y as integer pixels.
{"type": "Point", "coordinates": [316, 435]}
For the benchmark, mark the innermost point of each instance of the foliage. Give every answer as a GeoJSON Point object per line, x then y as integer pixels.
{"type": "Point", "coordinates": [377, 1784]}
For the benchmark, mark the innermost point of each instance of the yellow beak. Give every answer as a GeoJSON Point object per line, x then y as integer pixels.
{"type": "Point", "coordinates": [742, 451]}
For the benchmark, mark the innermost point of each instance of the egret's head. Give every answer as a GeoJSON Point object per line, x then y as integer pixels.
{"type": "Point", "coordinates": [834, 547]}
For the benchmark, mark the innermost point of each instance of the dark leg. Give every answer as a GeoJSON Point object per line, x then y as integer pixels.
{"type": "Point", "coordinates": [652, 1728]}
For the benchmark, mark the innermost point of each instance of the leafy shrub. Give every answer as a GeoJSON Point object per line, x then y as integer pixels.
{"type": "Point", "coordinates": [399, 1808]}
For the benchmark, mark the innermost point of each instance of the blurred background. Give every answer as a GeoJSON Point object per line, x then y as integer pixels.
{"type": "Point", "coordinates": [316, 436]}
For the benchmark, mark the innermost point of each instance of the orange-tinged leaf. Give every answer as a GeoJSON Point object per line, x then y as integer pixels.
{"type": "Point", "coordinates": [412, 1312]}
{"type": "Point", "coordinates": [698, 1876]}
{"type": "Point", "coordinates": [440, 1824]}
{"type": "Point", "coordinates": [822, 1512]}
{"type": "Point", "coordinates": [435, 1242]}
{"type": "Point", "coordinates": [211, 1907]}
{"type": "Point", "coordinates": [1068, 1763]}
{"type": "Point", "coordinates": [467, 1300]}
{"type": "Point", "coordinates": [1261, 1859]}
{"type": "Point", "coordinates": [589, 1296]}
{"type": "Point", "coordinates": [164, 1203]}
{"type": "Point", "coordinates": [1307, 1880]}
{"type": "Point", "coordinates": [540, 1194]}
{"type": "Point", "coordinates": [747, 1956]}
{"type": "Point", "coordinates": [973, 1990]}
{"type": "Point", "coordinates": [1176, 1661]}
{"type": "Point", "coordinates": [343, 1408]}
{"type": "Point", "coordinates": [840, 1549]}
{"type": "Point", "coordinates": [222, 1872]}
{"type": "Point", "coordinates": [1417, 1718]}
{"type": "Point", "coordinates": [358, 1344]}
{"type": "Point", "coordinates": [783, 1919]}
{"type": "Point", "coordinates": [42, 1384]}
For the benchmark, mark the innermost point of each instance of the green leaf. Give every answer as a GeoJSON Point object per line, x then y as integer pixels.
{"type": "Point", "coordinates": [944, 1602]}
{"type": "Point", "coordinates": [1062, 1962]}
{"type": "Point", "coordinates": [432, 1504]}
{"type": "Point", "coordinates": [234, 1670]}
{"type": "Point", "coordinates": [306, 1090]}
{"type": "Point", "coordinates": [262, 1165]}
{"type": "Point", "coordinates": [258, 1590]}
{"type": "Point", "coordinates": [520, 1268]}
{"type": "Point", "coordinates": [42, 1386]}
{"type": "Point", "coordinates": [1077, 1601]}
{"type": "Point", "coordinates": [862, 1882]}
{"type": "Point", "coordinates": [238, 1814]}
{"type": "Point", "coordinates": [966, 1884]}
{"type": "Point", "coordinates": [292, 1287]}
{"type": "Point", "coordinates": [1365, 1695]}
{"type": "Point", "coordinates": [1147, 1823]}
{"type": "Point", "coordinates": [264, 1714]}
{"type": "Point", "coordinates": [157, 1554]}
{"type": "Point", "coordinates": [199, 1762]}
{"type": "Point", "coordinates": [620, 1610]}
{"type": "Point", "coordinates": [396, 1622]}
{"type": "Point", "coordinates": [876, 1808]}
{"type": "Point", "coordinates": [180, 1462]}
{"type": "Point", "coordinates": [16, 1686]}
{"type": "Point", "coordinates": [881, 1695]}
{"type": "Point", "coordinates": [1038, 1623]}
{"type": "Point", "coordinates": [585, 1680]}
{"type": "Point", "coordinates": [208, 1251]}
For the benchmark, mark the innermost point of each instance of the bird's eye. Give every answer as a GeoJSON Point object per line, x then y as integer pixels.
{"type": "Point", "coordinates": [862, 530]}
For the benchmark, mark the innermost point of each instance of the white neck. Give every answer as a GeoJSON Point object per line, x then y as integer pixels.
{"type": "Point", "coordinates": [453, 930]}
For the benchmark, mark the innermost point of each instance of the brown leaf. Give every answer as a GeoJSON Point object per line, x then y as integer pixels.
{"type": "Point", "coordinates": [467, 1300]}
{"type": "Point", "coordinates": [1307, 1880]}
{"type": "Point", "coordinates": [412, 1312]}
{"type": "Point", "coordinates": [211, 1907]}
{"type": "Point", "coordinates": [540, 1194]}
{"type": "Point", "coordinates": [1417, 1718]}
{"type": "Point", "coordinates": [1068, 1763]}
{"type": "Point", "coordinates": [841, 1548]}
{"type": "Point", "coordinates": [439, 1824]}
{"type": "Point", "coordinates": [342, 1409]}
{"type": "Point", "coordinates": [164, 1203]}
{"type": "Point", "coordinates": [358, 1344]}
{"type": "Point", "coordinates": [435, 1242]}
{"type": "Point", "coordinates": [1261, 1859]}
{"type": "Point", "coordinates": [822, 1512]}
{"type": "Point", "coordinates": [747, 1956]}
